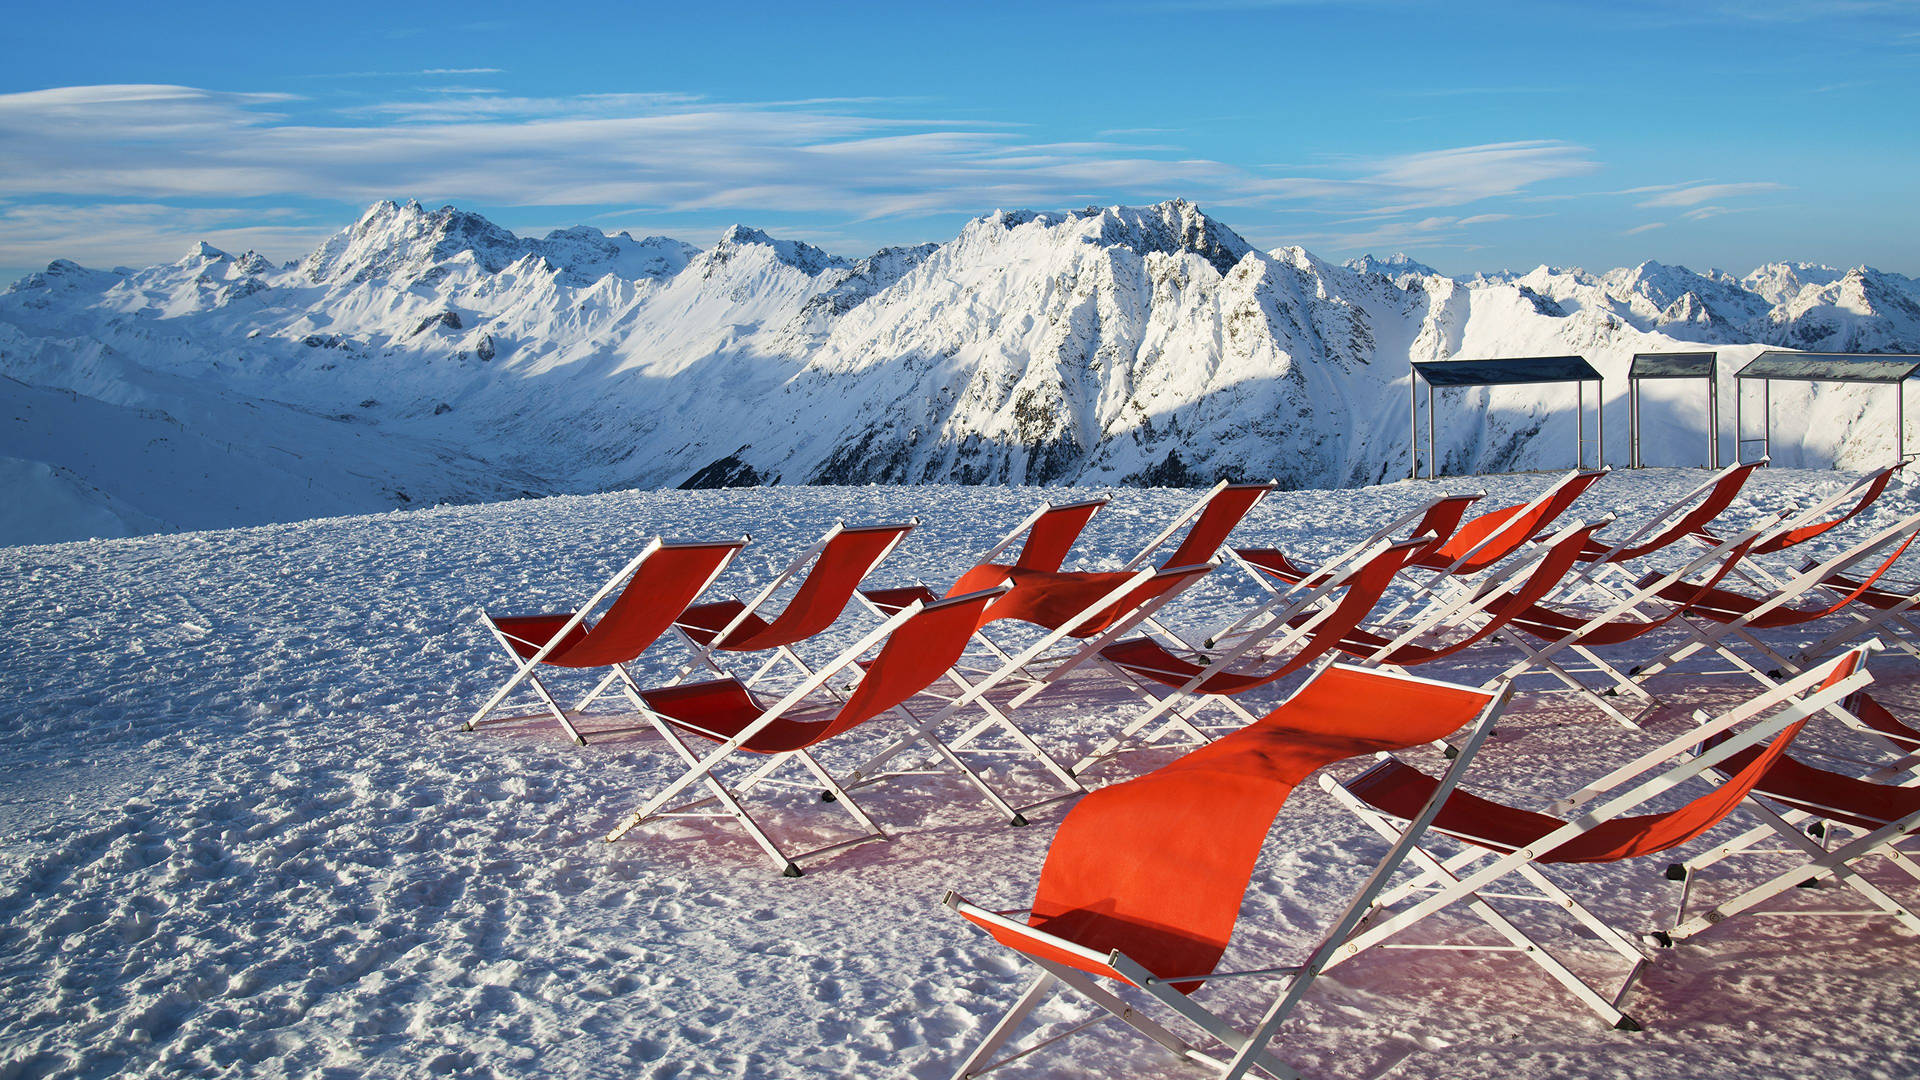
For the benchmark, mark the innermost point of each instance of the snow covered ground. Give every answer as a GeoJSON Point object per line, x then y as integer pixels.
{"type": "Point", "coordinates": [244, 835]}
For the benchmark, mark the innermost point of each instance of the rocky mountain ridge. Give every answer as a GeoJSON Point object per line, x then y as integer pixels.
{"type": "Point", "coordinates": [430, 355]}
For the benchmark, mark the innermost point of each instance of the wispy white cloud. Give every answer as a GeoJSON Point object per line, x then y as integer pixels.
{"type": "Point", "coordinates": [1648, 227]}
{"type": "Point", "coordinates": [1695, 194]}
{"type": "Point", "coordinates": [414, 74]}
{"type": "Point", "coordinates": [830, 159]}
{"type": "Point", "coordinates": [141, 234]}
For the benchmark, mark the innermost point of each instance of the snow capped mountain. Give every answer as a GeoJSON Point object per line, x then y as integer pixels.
{"type": "Point", "coordinates": [1395, 266]}
{"type": "Point", "coordinates": [426, 356]}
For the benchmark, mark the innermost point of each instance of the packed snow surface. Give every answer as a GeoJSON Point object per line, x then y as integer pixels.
{"type": "Point", "coordinates": [245, 835]}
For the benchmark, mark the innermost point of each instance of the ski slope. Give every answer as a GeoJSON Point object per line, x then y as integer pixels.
{"type": "Point", "coordinates": [244, 835]}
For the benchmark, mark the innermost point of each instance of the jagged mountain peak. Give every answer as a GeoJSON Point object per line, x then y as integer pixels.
{"type": "Point", "coordinates": [1393, 266]}
{"type": "Point", "coordinates": [201, 251]}
{"type": "Point", "coordinates": [798, 254]}
{"type": "Point", "coordinates": [403, 241]}
{"type": "Point", "coordinates": [1172, 227]}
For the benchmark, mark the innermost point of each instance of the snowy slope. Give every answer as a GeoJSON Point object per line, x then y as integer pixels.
{"type": "Point", "coordinates": [244, 837]}
{"type": "Point", "coordinates": [425, 356]}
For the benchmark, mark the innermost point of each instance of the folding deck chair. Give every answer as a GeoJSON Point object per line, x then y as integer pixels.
{"type": "Point", "coordinates": [1281, 577]}
{"type": "Point", "coordinates": [1178, 684]}
{"type": "Point", "coordinates": [1801, 807]}
{"type": "Point", "coordinates": [1885, 606]}
{"type": "Point", "coordinates": [1049, 533]}
{"type": "Point", "coordinates": [1085, 607]}
{"type": "Point", "coordinates": [1050, 599]}
{"type": "Point", "coordinates": [915, 646]}
{"type": "Point", "coordinates": [1685, 517]}
{"type": "Point", "coordinates": [659, 584]}
{"type": "Point", "coordinates": [1096, 608]}
{"type": "Point", "coordinates": [1809, 523]}
{"type": "Point", "coordinates": [1144, 880]}
{"type": "Point", "coordinates": [1718, 615]}
{"type": "Point", "coordinates": [841, 559]}
{"type": "Point", "coordinates": [1502, 841]}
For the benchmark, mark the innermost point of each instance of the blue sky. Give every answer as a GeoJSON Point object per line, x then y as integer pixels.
{"type": "Point", "coordinates": [1472, 136]}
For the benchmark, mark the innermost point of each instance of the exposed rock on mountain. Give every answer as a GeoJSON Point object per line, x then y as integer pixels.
{"type": "Point", "coordinates": [421, 356]}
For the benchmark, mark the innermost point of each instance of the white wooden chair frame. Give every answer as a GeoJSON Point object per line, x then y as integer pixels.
{"type": "Point", "coordinates": [705, 654]}
{"type": "Point", "coordinates": [526, 670]}
{"type": "Point", "coordinates": [1468, 877]}
{"type": "Point", "coordinates": [701, 769]}
{"type": "Point", "coordinates": [1240, 1052]}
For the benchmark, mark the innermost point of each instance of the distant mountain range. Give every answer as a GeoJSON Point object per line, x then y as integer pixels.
{"type": "Point", "coordinates": [421, 356]}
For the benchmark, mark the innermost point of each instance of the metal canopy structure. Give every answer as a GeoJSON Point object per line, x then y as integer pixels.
{"type": "Point", "coordinates": [1516, 371]}
{"type": "Point", "coordinates": [1887, 368]}
{"type": "Point", "coordinates": [1674, 365]}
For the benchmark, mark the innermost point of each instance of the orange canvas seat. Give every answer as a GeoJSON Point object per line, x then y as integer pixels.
{"type": "Point", "coordinates": [1504, 842]}
{"type": "Point", "coordinates": [840, 560]}
{"type": "Point", "coordinates": [1144, 880]}
{"type": "Point", "coordinates": [655, 587]}
{"type": "Point", "coordinates": [910, 652]}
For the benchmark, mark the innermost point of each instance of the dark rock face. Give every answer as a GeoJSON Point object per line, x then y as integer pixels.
{"type": "Point", "coordinates": [727, 472]}
{"type": "Point", "coordinates": [1171, 472]}
{"type": "Point", "coordinates": [448, 319]}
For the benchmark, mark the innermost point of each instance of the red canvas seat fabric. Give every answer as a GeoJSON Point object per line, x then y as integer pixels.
{"type": "Point", "coordinates": [836, 573]}
{"type": "Point", "coordinates": [1875, 715]}
{"type": "Point", "coordinates": [1506, 530]}
{"type": "Point", "coordinates": [1398, 789]}
{"type": "Point", "coordinates": [1150, 659]}
{"type": "Point", "coordinates": [1870, 490]}
{"type": "Point", "coordinates": [1834, 796]}
{"type": "Point", "coordinates": [1052, 599]}
{"type": "Point", "coordinates": [1693, 522]}
{"type": "Point", "coordinates": [1156, 867]}
{"type": "Point", "coordinates": [657, 593]}
{"type": "Point", "coordinates": [1726, 606]}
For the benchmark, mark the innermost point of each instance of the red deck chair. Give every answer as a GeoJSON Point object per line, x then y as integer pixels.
{"type": "Point", "coordinates": [1502, 841]}
{"type": "Point", "coordinates": [659, 583]}
{"type": "Point", "coordinates": [1810, 523]}
{"type": "Point", "coordinates": [841, 559]}
{"type": "Point", "coordinates": [1049, 533]}
{"type": "Point", "coordinates": [915, 647]}
{"type": "Point", "coordinates": [1144, 880]}
{"type": "Point", "coordinates": [1875, 814]}
{"type": "Point", "coordinates": [1178, 684]}
{"type": "Point", "coordinates": [1885, 606]}
{"type": "Point", "coordinates": [1685, 517]}
{"type": "Point", "coordinates": [1281, 577]}
{"type": "Point", "coordinates": [1720, 614]}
